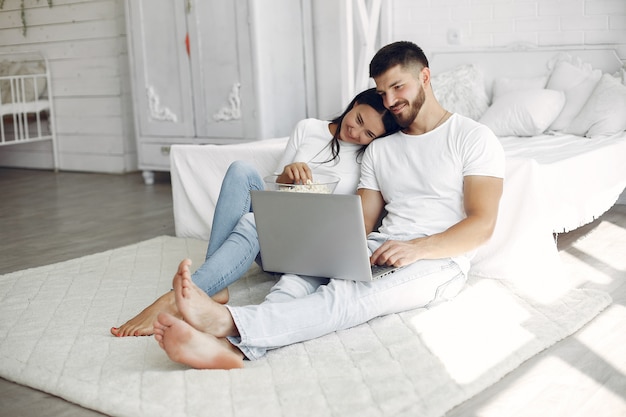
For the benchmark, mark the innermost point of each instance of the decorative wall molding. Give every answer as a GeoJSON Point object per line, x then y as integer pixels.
{"type": "Point", "coordinates": [158, 112]}
{"type": "Point", "coordinates": [232, 110]}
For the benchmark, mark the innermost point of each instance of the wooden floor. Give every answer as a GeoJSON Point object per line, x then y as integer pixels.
{"type": "Point", "coordinates": [47, 217]}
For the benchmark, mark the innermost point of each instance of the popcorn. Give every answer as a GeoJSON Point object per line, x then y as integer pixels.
{"type": "Point", "coordinates": [309, 187]}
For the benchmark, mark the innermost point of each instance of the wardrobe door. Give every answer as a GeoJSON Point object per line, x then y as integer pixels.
{"type": "Point", "coordinates": [221, 69]}
{"type": "Point", "coordinates": [247, 68]}
{"type": "Point", "coordinates": [160, 68]}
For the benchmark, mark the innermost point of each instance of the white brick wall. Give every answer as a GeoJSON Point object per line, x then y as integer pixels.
{"type": "Point", "coordinates": [496, 23]}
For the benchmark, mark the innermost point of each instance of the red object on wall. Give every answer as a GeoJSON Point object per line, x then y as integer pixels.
{"type": "Point", "coordinates": [187, 44]}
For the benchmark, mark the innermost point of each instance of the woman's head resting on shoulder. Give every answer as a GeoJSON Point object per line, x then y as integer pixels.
{"type": "Point", "coordinates": [364, 119]}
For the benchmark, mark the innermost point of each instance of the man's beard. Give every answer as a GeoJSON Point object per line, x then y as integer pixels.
{"type": "Point", "coordinates": [407, 117]}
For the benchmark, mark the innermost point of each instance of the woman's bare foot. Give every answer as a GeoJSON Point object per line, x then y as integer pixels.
{"type": "Point", "coordinates": [186, 345]}
{"type": "Point", "coordinates": [222, 296]}
{"type": "Point", "coordinates": [142, 323]}
{"type": "Point", "coordinates": [200, 310]}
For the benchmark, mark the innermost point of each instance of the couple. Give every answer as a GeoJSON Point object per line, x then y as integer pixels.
{"type": "Point", "coordinates": [440, 182]}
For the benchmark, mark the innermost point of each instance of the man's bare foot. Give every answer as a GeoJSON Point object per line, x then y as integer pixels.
{"type": "Point", "coordinates": [141, 324]}
{"type": "Point", "coordinates": [200, 310]}
{"type": "Point", "coordinates": [186, 345]}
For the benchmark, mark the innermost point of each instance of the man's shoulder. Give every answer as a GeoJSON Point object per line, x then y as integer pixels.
{"type": "Point", "coordinates": [466, 126]}
{"type": "Point", "coordinates": [466, 122]}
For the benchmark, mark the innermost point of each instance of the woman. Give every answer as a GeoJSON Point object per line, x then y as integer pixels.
{"type": "Point", "coordinates": [315, 146]}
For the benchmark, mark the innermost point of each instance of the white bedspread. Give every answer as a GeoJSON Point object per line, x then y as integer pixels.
{"type": "Point", "coordinates": [197, 172]}
{"type": "Point", "coordinates": [580, 178]}
{"type": "Point", "coordinates": [54, 337]}
{"type": "Point", "coordinates": [553, 184]}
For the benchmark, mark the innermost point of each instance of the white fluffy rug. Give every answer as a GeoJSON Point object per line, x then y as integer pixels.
{"type": "Point", "coordinates": [54, 336]}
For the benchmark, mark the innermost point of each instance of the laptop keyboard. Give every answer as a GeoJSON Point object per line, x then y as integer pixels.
{"type": "Point", "coordinates": [379, 271]}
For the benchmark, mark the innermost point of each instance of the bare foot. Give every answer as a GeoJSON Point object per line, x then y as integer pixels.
{"type": "Point", "coordinates": [200, 310]}
{"type": "Point", "coordinates": [222, 296]}
{"type": "Point", "coordinates": [186, 345]}
{"type": "Point", "coordinates": [141, 324]}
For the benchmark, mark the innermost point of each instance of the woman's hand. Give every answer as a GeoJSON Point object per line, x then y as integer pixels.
{"type": "Point", "coordinates": [295, 173]}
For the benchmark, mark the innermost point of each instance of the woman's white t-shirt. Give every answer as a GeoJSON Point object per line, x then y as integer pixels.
{"type": "Point", "coordinates": [310, 143]}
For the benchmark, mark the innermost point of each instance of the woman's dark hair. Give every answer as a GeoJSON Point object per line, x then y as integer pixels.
{"type": "Point", "coordinates": [370, 98]}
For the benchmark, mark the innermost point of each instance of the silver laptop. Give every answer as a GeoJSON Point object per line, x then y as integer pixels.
{"type": "Point", "coordinates": [321, 235]}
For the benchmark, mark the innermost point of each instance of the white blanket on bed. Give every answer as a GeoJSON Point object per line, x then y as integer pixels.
{"type": "Point", "coordinates": [54, 337]}
{"type": "Point", "coordinates": [554, 183]}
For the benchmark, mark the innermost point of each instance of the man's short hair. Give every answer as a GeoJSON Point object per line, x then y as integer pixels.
{"type": "Point", "coordinates": [403, 53]}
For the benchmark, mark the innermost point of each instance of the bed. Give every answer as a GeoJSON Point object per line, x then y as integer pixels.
{"type": "Point", "coordinates": [26, 110]}
{"type": "Point", "coordinates": [557, 178]}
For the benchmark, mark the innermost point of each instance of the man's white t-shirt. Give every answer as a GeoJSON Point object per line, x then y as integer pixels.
{"type": "Point", "coordinates": [310, 143]}
{"type": "Point", "coordinates": [421, 176]}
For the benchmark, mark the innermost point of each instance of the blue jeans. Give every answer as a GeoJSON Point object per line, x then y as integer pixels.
{"type": "Point", "coordinates": [233, 244]}
{"type": "Point", "coordinates": [302, 308]}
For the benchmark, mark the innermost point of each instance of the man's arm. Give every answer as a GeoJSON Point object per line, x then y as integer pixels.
{"type": "Point", "coordinates": [373, 204]}
{"type": "Point", "coordinates": [481, 201]}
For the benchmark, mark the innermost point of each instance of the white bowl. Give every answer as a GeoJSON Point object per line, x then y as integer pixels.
{"type": "Point", "coordinates": [321, 184]}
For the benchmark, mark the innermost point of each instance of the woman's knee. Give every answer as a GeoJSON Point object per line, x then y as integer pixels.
{"type": "Point", "coordinates": [243, 170]}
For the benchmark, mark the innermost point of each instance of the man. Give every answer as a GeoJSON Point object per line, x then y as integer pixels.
{"type": "Point", "coordinates": [440, 181]}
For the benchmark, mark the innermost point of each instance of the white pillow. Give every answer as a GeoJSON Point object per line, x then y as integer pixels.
{"type": "Point", "coordinates": [503, 85]}
{"type": "Point", "coordinates": [578, 82]}
{"type": "Point", "coordinates": [523, 112]}
{"type": "Point", "coordinates": [604, 114]}
{"type": "Point", "coordinates": [462, 91]}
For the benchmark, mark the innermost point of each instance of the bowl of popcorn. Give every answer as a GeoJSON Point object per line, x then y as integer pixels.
{"type": "Point", "coordinates": [321, 184]}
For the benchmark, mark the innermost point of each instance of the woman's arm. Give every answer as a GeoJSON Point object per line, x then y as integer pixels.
{"type": "Point", "coordinates": [289, 170]}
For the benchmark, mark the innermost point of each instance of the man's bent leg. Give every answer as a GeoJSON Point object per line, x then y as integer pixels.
{"type": "Point", "coordinates": [290, 287]}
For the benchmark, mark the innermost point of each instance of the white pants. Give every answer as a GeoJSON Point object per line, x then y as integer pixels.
{"type": "Point", "coordinates": [301, 308]}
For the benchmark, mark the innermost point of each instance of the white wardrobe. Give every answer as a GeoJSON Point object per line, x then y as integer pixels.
{"type": "Point", "coordinates": [214, 71]}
